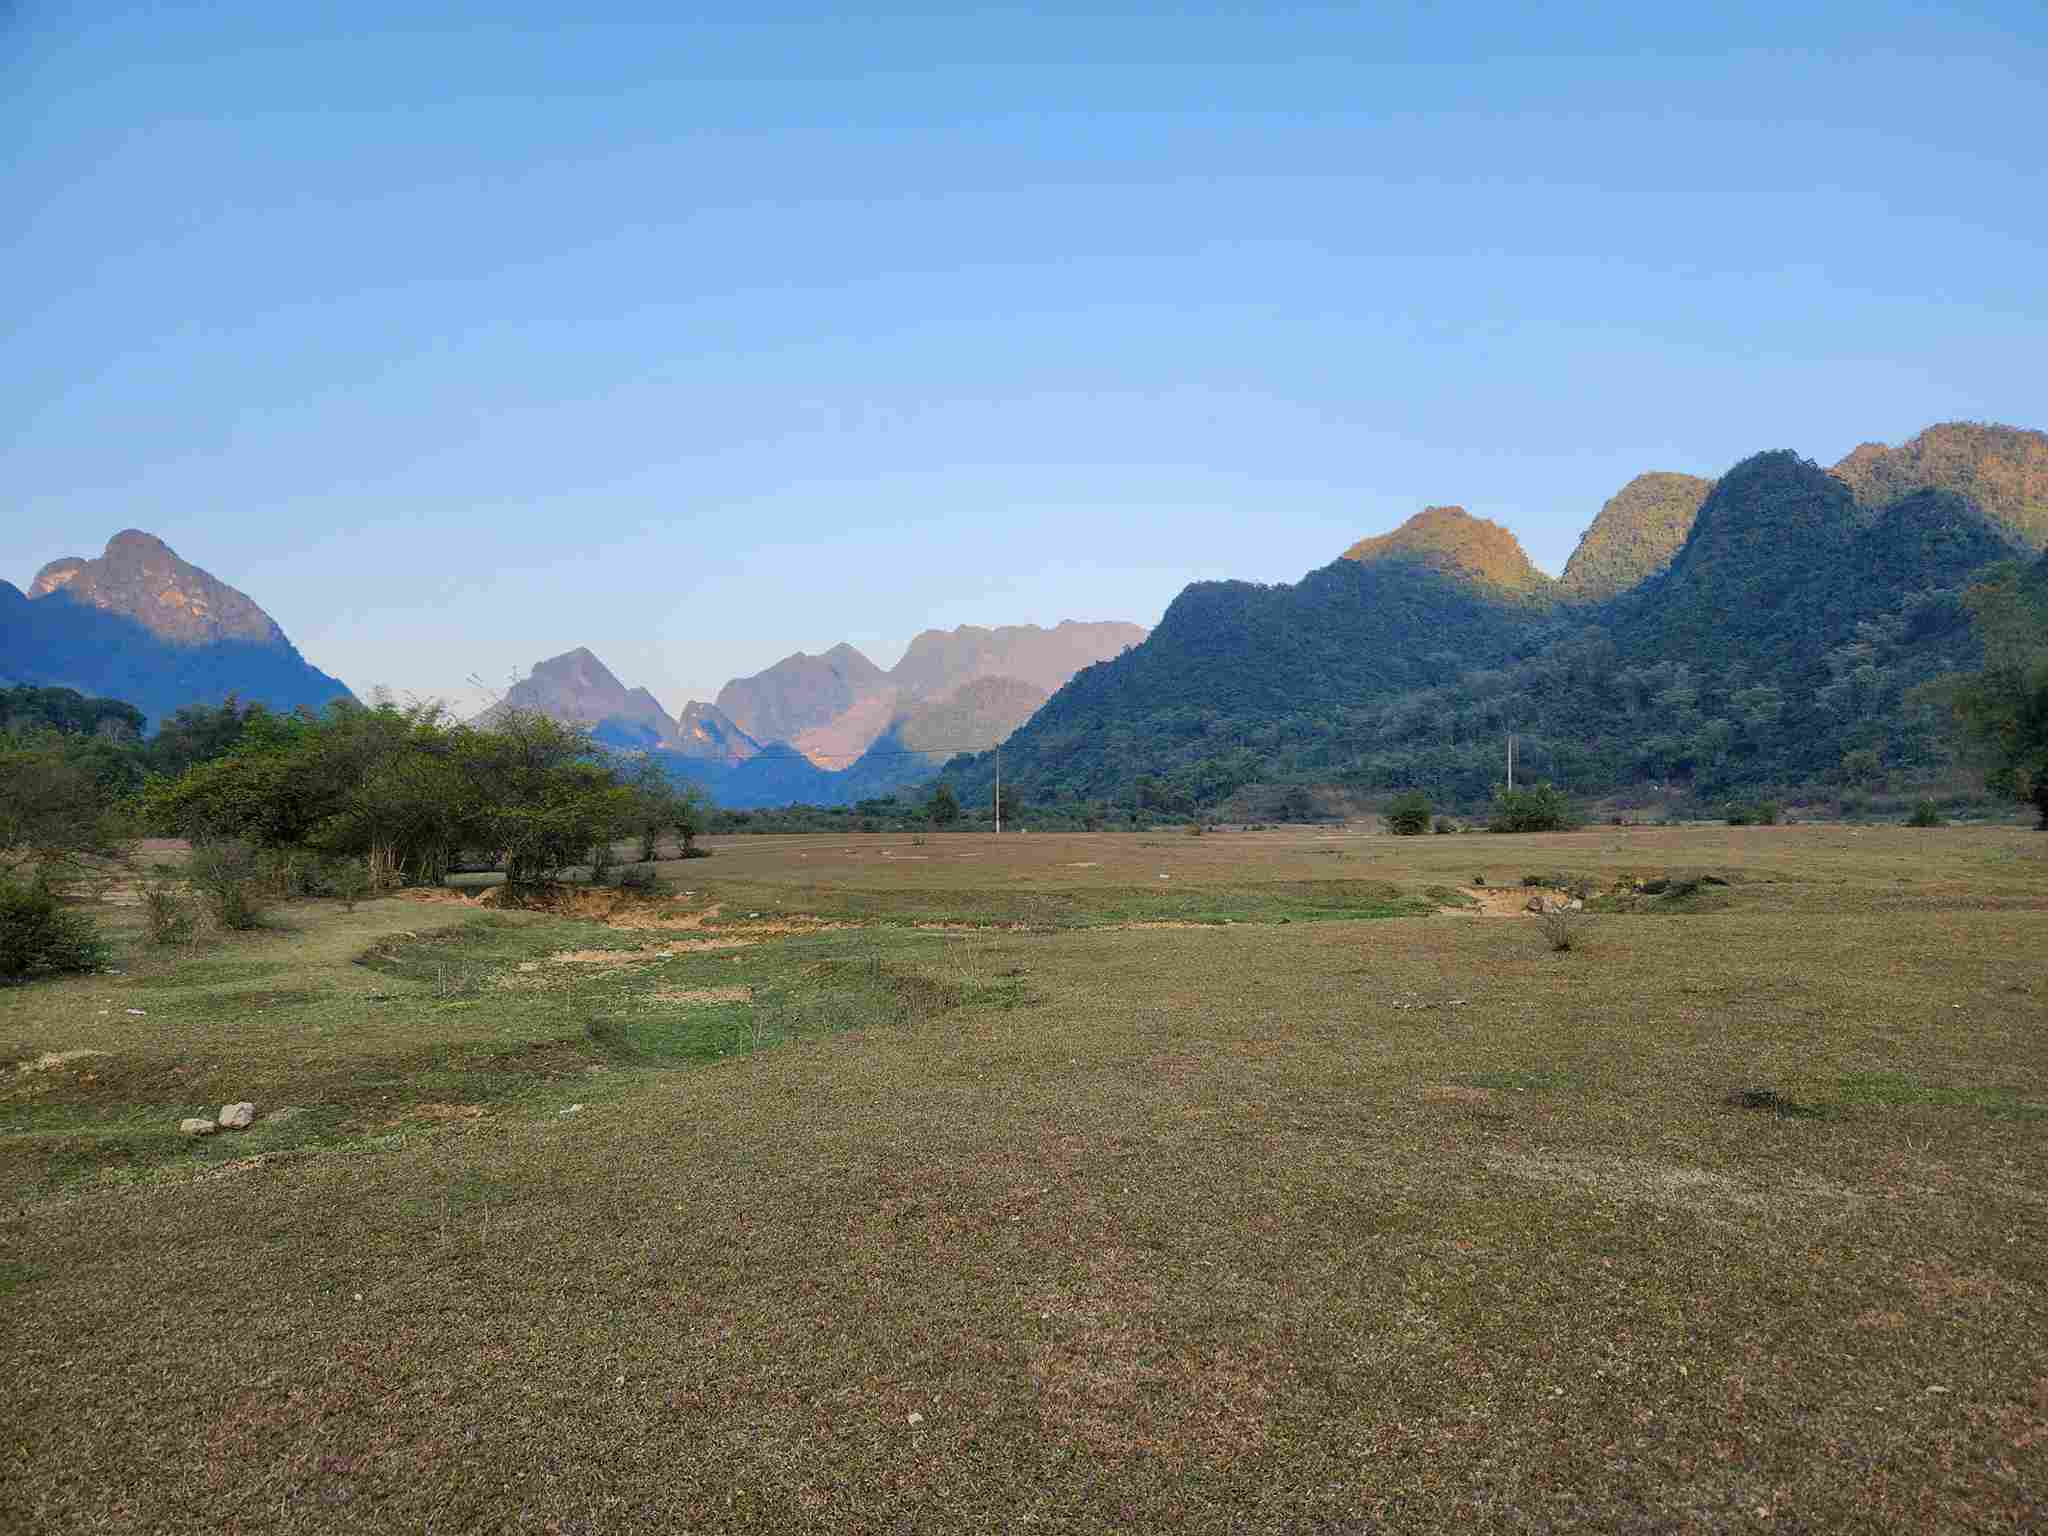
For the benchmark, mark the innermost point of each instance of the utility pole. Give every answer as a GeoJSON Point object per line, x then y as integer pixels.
{"type": "Point", "coordinates": [999, 789]}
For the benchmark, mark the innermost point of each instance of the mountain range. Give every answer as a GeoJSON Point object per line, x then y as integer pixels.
{"type": "Point", "coordinates": [141, 625]}
{"type": "Point", "coordinates": [1767, 628]}
{"type": "Point", "coordinates": [832, 728]}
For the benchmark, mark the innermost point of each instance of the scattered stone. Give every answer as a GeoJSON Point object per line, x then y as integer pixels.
{"type": "Point", "coordinates": [137, 1013]}
{"type": "Point", "coordinates": [1575, 905]}
{"type": "Point", "coordinates": [573, 1109]}
{"type": "Point", "coordinates": [196, 1127]}
{"type": "Point", "coordinates": [915, 1420]}
{"type": "Point", "coordinates": [50, 1060]}
{"type": "Point", "coordinates": [237, 1117]}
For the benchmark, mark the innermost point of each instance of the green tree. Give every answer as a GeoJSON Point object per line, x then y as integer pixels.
{"type": "Point", "coordinates": [58, 816]}
{"type": "Point", "coordinates": [1542, 808]}
{"type": "Point", "coordinates": [1408, 815]}
{"type": "Point", "coordinates": [199, 733]}
{"type": "Point", "coordinates": [406, 790]}
{"type": "Point", "coordinates": [2002, 710]}
{"type": "Point", "coordinates": [944, 806]}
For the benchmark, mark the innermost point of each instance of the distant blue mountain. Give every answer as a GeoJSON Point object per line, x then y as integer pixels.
{"type": "Point", "coordinates": [143, 626]}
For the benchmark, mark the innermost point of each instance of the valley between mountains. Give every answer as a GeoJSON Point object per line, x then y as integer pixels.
{"type": "Point", "coordinates": [1771, 629]}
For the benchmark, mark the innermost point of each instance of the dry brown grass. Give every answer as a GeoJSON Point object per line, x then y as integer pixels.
{"type": "Point", "coordinates": [1322, 1226]}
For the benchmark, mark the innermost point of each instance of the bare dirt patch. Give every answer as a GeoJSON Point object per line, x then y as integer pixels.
{"type": "Point", "coordinates": [702, 995]}
{"type": "Point", "coordinates": [51, 1060]}
{"type": "Point", "coordinates": [1452, 1093]}
{"type": "Point", "coordinates": [447, 1112]}
{"type": "Point", "coordinates": [1671, 1186]}
{"type": "Point", "coordinates": [1502, 900]}
{"type": "Point", "coordinates": [445, 896]}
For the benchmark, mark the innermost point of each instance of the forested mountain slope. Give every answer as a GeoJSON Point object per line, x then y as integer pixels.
{"type": "Point", "coordinates": [1638, 533]}
{"type": "Point", "coordinates": [2004, 470]}
{"type": "Point", "coordinates": [1237, 674]}
{"type": "Point", "coordinates": [1779, 645]}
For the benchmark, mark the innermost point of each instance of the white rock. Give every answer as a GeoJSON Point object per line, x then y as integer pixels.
{"type": "Point", "coordinates": [237, 1117]}
{"type": "Point", "coordinates": [573, 1109]}
{"type": "Point", "coordinates": [196, 1127]}
{"type": "Point", "coordinates": [916, 1419]}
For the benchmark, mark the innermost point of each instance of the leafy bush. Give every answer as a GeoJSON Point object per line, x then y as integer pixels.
{"type": "Point", "coordinates": [39, 935]}
{"type": "Point", "coordinates": [168, 916]}
{"type": "Point", "coordinates": [1760, 813]}
{"type": "Point", "coordinates": [1408, 815]}
{"type": "Point", "coordinates": [233, 881]}
{"type": "Point", "coordinates": [349, 880]}
{"type": "Point", "coordinates": [1443, 826]}
{"type": "Point", "coordinates": [1925, 814]}
{"type": "Point", "coordinates": [1543, 808]}
{"type": "Point", "coordinates": [1560, 928]}
{"type": "Point", "coordinates": [641, 880]}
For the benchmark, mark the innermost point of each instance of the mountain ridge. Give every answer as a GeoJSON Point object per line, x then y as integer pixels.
{"type": "Point", "coordinates": [1775, 634]}
{"type": "Point", "coordinates": [2003, 469]}
{"type": "Point", "coordinates": [142, 625]}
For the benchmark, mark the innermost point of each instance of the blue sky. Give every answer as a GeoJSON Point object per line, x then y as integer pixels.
{"type": "Point", "coordinates": [462, 335]}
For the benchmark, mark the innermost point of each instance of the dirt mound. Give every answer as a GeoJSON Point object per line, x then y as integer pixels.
{"type": "Point", "coordinates": [1506, 900]}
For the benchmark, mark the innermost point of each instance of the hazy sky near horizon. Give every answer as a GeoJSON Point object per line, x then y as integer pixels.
{"type": "Point", "coordinates": [461, 335]}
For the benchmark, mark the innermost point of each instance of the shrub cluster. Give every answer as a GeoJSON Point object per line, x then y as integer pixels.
{"type": "Point", "coordinates": [1408, 815]}
{"type": "Point", "coordinates": [1543, 808]}
{"type": "Point", "coordinates": [39, 935]}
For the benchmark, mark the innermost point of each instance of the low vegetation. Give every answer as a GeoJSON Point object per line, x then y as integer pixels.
{"type": "Point", "coordinates": [1407, 815]}
{"type": "Point", "coordinates": [1092, 1182]}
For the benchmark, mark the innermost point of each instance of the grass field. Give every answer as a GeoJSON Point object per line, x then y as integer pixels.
{"type": "Point", "coordinates": [1247, 1182]}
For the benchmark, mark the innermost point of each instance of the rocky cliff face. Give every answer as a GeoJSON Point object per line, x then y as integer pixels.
{"type": "Point", "coordinates": [942, 660]}
{"type": "Point", "coordinates": [704, 731]}
{"type": "Point", "coordinates": [141, 578]}
{"type": "Point", "coordinates": [801, 693]}
{"type": "Point", "coordinates": [141, 625]}
{"type": "Point", "coordinates": [578, 688]}
{"type": "Point", "coordinates": [834, 707]}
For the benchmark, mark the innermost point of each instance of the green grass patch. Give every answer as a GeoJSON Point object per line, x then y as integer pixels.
{"type": "Point", "coordinates": [1896, 1089]}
